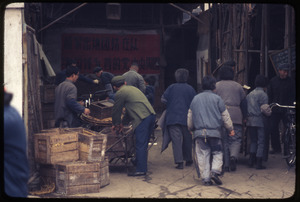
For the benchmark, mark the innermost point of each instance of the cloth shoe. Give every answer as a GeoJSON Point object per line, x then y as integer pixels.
{"type": "Point", "coordinates": [251, 160]}
{"type": "Point", "coordinates": [188, 163]}
{"type": "Point", "coordinates": [233, 163]}
{"type": "Point", "coordinates": [259, 165]}
{"type": "Point", "coordinates": [216, 179]}
{"type": "Point", "coordinates": [179, 166]}
{"type": "Point", "coordinates": [134, 174]}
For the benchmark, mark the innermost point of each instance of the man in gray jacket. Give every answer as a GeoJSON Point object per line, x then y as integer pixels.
{"type": "Point", "coordinates": [207, 114]}
{"type": "Point", "coordinates": [66, 107]}
{"type": "Point", "coordinates": [133, 78]}
{"type": "Point", "coordinates": [232, 94]}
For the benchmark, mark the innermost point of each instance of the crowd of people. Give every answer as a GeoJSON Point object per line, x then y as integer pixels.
{"type": "Point", "coordinates": [212, 121]}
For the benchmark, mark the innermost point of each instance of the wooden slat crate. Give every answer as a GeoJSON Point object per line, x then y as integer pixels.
{"type": "Point", "coordinates": [104, 172]}
{"type": "Point", "coordinates": [92, 144]}
{"type": "Point", "coordinates": [47, 93]}
{"type": "Point", "coordinates": [101, 109]}
{"type": "Point", "coordinates": [52, 147]}
{"type": "Point", "coordinates": [48, 173]}
{"type": "Point", "coordinates": [77, 177]}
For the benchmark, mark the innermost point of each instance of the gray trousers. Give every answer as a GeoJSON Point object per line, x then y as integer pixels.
{"type": "Point", "coordinates": [232, 145]}
{"type": "Point", "coordinates": [204, 150]}
{"type": "Point", "coordinates": [257, 139]}
{"type": "Point", "coordinates": [181, 142]}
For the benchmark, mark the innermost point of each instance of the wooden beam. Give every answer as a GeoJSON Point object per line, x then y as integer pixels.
{"type": "Point", "coordinates": [187, 12]}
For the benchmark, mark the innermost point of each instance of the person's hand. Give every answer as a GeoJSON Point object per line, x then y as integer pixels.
{"type": "Point", "coordinates": [96, 81]}
{"type": "Point", "coordinates": [117, 128]}
{"type": "Point", "coordinates": [232, 133]}
{"type": "Point", "coordinates": [87, 111]}
{"type": "Point", "coordinates": [81, 102]}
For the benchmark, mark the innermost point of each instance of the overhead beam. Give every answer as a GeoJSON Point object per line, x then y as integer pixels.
{"type": "Point", "coordinates": [68, 13]}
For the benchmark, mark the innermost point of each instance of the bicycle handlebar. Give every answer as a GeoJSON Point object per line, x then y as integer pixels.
{"type": "Point", "coordinates": [282, 106]}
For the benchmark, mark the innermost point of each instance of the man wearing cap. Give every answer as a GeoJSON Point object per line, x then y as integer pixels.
{"type": "Point", "coordinates": [142, 114]}
{"type": "Point", "coordinates": [281, 90]}
{"type": "Point", "coordinates": [133, 78]}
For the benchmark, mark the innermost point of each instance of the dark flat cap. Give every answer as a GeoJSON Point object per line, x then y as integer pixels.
{"type": "Point", "coordinates": [284, 66]}
{"type": "Point", "coordinates": [97, 69]}
{"type": "Point", "coordinates": [118, 81]}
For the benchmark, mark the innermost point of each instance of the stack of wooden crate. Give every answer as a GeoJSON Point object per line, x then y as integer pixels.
{"type": "Point", "coordinates": [47, 104]}
{"type": "Point", "coordinates": [72, 158]}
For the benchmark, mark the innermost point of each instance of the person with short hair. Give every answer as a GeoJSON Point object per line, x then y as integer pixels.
{"type": "Point", "coordinates": [142, 114]}
{"type": "Point", "coordinates": [178, 98]}
{"type": "Point", "coordinates": [16, 168]}
{"type": "Point", "coordinates": [232, 94]}
{"type": "Point", "coordinates": [66, 107]}
{"type": "Point", "coordinates": [207, 114]}
{"type": "Point", "coordinates": [255, 122]}
{"type": "Point", "coordinates": [133, 78]}
{"type": "Point", "coordinates": [281, 90]}
{"type": "Point", "coordinates": [105, 78]}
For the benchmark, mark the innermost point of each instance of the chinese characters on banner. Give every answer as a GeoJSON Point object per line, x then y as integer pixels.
{"type": "Point", "coordinates": [113, 52]}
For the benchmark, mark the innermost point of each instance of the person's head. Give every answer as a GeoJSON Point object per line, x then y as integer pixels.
{"type": "Point", "coordinates": [150, 80]}
{"type": "Point", "coordinates": [230, 63]}
{"type": "Point", "coordinates": [283, 70]}
{"type": "Point", "coordinates": [98, 71]}
{"type": "Point", "coordinates": [226, 73]}
{"type": "Point", "coordinates": [181, 75]}
{"type": "Point", "coordinates": [134, 66]}
{"type": "Point", "coordinates": [117, 82]}
{"type": "Point", "coordinates": [72, 73]}
{"type": "Point", "coordinates": [208, 83]}
{"type": "Point", "coordinates": [261, 81]}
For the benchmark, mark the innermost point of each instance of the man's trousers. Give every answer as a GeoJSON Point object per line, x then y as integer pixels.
{"type": "Point", "coordinates": [142, 135]}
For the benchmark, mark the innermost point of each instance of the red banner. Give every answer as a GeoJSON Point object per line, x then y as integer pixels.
{"type": "Point", "coordinates": [113, 52]}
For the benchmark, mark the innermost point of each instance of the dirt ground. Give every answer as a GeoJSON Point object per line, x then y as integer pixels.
{"type": "Point", "coordinates": [164, 181]}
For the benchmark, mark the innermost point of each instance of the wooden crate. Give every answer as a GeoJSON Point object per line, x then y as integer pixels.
{"type": "Point", "coordinates": [47, 173]}
{"type": "Point", "coordinates": [77, 177]}
{"type": "Point", "coordinates": [52, 147]}
{"type": "Point", "coordinates": [47, 93]}
{"type": "Point", "coordinates": [104, 172]}
{"type": "Point", "coordinates": [92, 144]}
{"type": "Point", "coordinates": [101, 109]}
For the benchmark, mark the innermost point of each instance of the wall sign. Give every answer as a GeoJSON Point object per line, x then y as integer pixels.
{"type": "Point", "coordinates": [113, 52]}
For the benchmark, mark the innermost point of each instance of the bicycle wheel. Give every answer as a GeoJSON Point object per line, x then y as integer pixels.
{"type": "Point", "coordinates": [290, 145]}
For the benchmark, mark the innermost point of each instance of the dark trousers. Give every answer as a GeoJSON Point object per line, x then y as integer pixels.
{"type": "Point", "coordinates": [275, 137]}
{"type": "Point", "coordinates": [181, 143]}
{"type": "Point", "coordinates": [142, 135]}
{"type": "Point", "coordinates": [257, 137]}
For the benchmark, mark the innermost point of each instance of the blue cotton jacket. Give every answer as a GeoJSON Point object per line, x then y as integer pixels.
{"type": "Point", "coordinates": [16, 169]}
{"type": "Point", "coordinates": [178, 98]}
{"type": "Point", "coordinates": [207, 108]}
{"type": "Point", "coordinates": [255, 99]}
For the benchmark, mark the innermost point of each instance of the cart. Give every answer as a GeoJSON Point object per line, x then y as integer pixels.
{"type": "Point", "coordinates": [120, 147]}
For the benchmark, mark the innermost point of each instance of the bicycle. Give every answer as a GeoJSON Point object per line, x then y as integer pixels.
{"type": "Point", "coordinates": [289, 137]}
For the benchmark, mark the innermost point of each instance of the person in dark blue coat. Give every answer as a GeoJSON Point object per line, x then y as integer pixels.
{"type": "Point", "coordinates": [16, 170]}
{"type": "Point", "coordinates": [178, 98]}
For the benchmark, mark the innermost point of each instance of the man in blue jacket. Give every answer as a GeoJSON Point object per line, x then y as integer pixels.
{"type": "Point", "coordinates": [16, 170]}
{"type": "Point", "coordinates": [178, 98]}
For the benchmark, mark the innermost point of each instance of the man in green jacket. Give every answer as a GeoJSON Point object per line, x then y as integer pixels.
{"type": "Point", "coordinates": [142, 114]}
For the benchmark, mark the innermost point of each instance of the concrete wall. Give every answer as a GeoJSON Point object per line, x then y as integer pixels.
{"type": "Point", "coordinates": [13, 71]}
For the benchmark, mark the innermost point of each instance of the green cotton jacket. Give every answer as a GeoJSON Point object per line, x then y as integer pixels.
{"type": "Point", "coordinates": [136, 104]}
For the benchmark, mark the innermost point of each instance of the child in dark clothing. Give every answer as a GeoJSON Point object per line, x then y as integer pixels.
{"type": "Point", "coordinates": [150, 89]}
